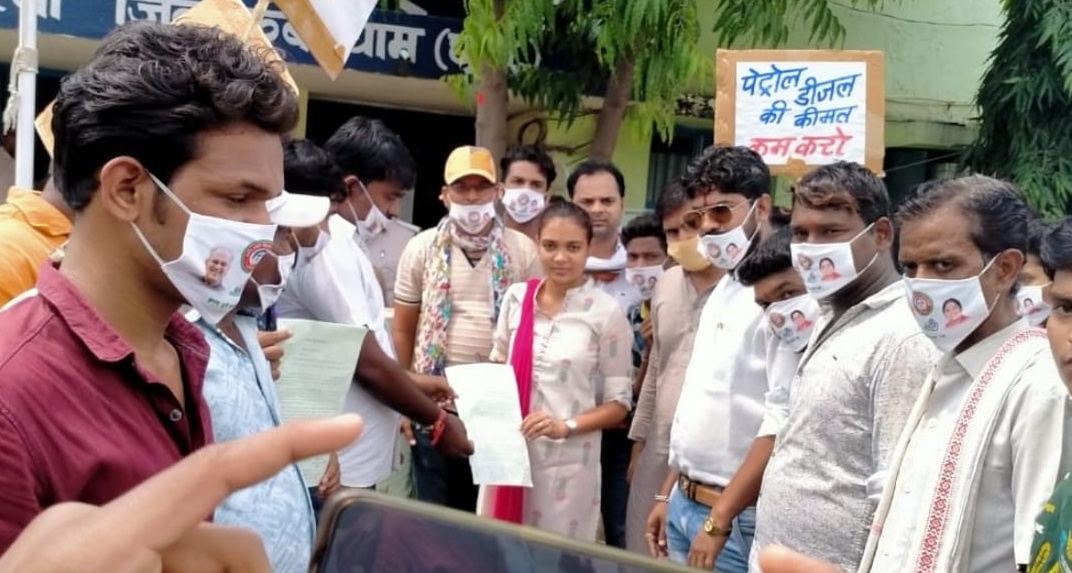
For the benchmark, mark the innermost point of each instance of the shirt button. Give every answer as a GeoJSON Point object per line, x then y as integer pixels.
{"type": "Point", "coordinates": [175, 415]}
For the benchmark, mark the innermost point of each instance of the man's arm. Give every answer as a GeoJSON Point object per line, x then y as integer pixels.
{"type": "Point", "coordinates": [743, 489]}
{"type": "Point", "coordinates": [404, 331]}
{"type": "Point", "coordinates": [18, 496]}
{"type": "Point", "coordinates": [391, 385]}
{"type": "Point", "coordinates": [901, 367]}
{"type": "Point", "coordinates": [409, 282]}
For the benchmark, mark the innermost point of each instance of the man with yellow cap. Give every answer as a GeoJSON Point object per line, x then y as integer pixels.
{"type": "Point", "coordinates": [447, 294]}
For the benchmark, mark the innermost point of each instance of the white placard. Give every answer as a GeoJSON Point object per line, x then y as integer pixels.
{"type": "Point", "coordinates": [815, 112]}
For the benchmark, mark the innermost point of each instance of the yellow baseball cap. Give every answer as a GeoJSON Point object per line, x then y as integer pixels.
{"type": "Point", "coordinates": [469, 160]}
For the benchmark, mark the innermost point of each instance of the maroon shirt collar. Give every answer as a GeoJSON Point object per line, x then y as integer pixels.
{"type": "Point", "coordinates": [96, 334]}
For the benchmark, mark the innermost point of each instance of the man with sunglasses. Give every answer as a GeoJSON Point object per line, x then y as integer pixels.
{"type": "Point", "coordinates": [724, 426]}
{"type": "Point", "coordinates": [858, 379]}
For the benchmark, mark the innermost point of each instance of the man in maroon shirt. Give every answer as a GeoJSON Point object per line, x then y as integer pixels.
{"type": "Point", "coordinates": [167, 145]}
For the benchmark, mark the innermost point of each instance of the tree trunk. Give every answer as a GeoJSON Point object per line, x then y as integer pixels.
{"type": "Point", "coordinates": [491, 111]}
{"type": "Point", "coordinates": [612, 114]}
{"type": "Point", "coordinates": [492, 102]}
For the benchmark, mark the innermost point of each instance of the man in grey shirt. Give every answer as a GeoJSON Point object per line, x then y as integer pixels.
{"type": "Point", "coordinates": [858, 379]}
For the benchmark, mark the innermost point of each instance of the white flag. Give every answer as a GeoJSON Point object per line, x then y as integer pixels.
{"type": "Point", "coordinates": [330, 28]}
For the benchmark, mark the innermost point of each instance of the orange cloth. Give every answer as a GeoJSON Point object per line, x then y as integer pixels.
{"type": "Point", "coordinates": [30, 231]}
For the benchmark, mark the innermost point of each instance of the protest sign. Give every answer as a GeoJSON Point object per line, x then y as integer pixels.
{"type": "Point", "coordinates": [800, 109]}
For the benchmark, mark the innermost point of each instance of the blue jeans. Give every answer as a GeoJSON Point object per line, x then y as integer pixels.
{"type": "Point", "coordinates": [614, 498]}
{"type": "Point", "coordinates": [684, 519]}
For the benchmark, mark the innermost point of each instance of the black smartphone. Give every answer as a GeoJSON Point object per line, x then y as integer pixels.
{"type": "Point", "coordinates": [365, 532]}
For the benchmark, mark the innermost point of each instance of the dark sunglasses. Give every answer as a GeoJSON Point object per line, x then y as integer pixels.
{"type": "Point", "coordinates": [720, 214]}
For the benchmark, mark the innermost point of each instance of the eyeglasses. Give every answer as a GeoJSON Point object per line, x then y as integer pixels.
{"type": "Point", "coordinates": [720, 214]}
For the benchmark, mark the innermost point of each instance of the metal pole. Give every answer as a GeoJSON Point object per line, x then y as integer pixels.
{"type": "Point", "coordinates": [25, 65]}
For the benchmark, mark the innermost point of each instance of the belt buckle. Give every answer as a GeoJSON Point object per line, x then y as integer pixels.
{"type": "Point", "coordinates": [688, 487]}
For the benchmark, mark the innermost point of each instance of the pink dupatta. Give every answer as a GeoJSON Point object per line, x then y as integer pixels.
{"type": "Point", "coordinates": [509, 501]}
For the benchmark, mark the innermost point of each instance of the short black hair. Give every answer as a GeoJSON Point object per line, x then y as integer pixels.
{"type": "Point", "coordinates": [369, 150]}
{"type": "Point", "coordinates": [1036, 230]}
{"type": "Point", "coordinates": [998, 210]}
{"type": "Point", "coordinates": [1056, 248]}
{"type": "Point", "coordinates": [309, 170]}
{"type": "Point", "coordinates": [844, 185]}
{"type": "Point", "coordinates": [534, 154]}
{"type": "Point", "coordinates": [671, 199]}
{"type": "Point", "coordinates": [737, 170]}
{"type": "Point", "coordinates": [592, 167]}
{"type": "Point", "coordinates": [769, 257]}
{"type": "Point", "coordinates": [644, 225]}
{"type": "Point", "coordinates": [567, 210]}
{"type": "Point", "coordinates": [150, 91]}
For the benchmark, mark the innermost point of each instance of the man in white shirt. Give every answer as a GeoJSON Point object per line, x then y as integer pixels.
{"type": "Point", "coordinates": [722, 429]}
{"type": "Point", "coordinates": [982, 449]}
{"type": "Point", "coordinates": [598, 187]}
{"type": "Point", "coordinates": [857, 380]}
{"type": "Point", "coordinates": [333, 281]}
{"type": "Point", "coordinates": [527, 174]}
{"type": "Point", "coordinates": [378, 171]}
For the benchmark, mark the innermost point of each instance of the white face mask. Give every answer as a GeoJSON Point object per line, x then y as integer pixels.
{"type": "Point", "coordinates": [269, 294]}
{"type": "Point", "coordinates": [726, 250]}
{"type": "Point", "coordinates": [374, 223]}
{"type": "Point", "coordinates": [218, 256]}
{"type": "Point", "coordinates": [1030, 303]}
{"type": "Point", "coordinates": [523, 204]}
{"type": "Point", "coordinates": [827, 267]}
{"type": "Point", "coordinates": [306, 254]}
{"type": "Point", "coordinates": [948, 310]}
{"type": "Point", "coordinates": [793, 320]}
{"type": "Point", "coordinates": [472, 218]}
{"type": "Point", "coordinates": [644, 279]}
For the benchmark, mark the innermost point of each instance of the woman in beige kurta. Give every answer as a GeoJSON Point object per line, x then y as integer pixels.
{"type": "Point", "coordinates": [580, 376]}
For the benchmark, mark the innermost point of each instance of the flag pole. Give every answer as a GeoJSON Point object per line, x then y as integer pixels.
{"type": "Point", "coordinates": [259, 10]}
{"type": "Point", "coordinates": [24, 64]}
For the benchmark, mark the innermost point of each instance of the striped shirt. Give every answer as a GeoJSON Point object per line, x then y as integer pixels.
{"type": "Point", "coordinates": [469, 334]}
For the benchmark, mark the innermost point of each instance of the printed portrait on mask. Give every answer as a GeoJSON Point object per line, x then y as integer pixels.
{"type": "Point", "coordinates": [1029, 306]}
{"type": "Point", "coordinates": [953, 312]}
{"type": "Point", "coordinates": [827, 270]}
{"type": "Point", "coordinates": [733, 250]}
{"type": "Point", "coordinates": [776, 319]}
{"type": "Point", "coordinates": [216, 266]}
{"type": "Point", "coordinates": [804, 263]}
{"type": "Point", "coordinates": [800, 322]}
{"type": "Point", "coordinates": [713, 251]}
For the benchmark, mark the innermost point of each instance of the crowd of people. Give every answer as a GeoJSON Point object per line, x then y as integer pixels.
{"type": "Point", "coordinates": [714, 383]}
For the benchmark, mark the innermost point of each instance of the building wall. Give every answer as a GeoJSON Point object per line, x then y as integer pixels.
{"type": "Point", "coordinates": [936, 53]}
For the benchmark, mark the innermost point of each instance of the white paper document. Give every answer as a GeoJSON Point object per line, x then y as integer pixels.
{"type": "Point", "coordinates": [315, 373]}
{"type": "Point", "coordinates": [488, 404]}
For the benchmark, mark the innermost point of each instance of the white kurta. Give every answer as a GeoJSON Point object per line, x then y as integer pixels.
{"type": "Point", "coordinates": [581, 359]}
{"type": "Point", "coordinates": [1022, 463]}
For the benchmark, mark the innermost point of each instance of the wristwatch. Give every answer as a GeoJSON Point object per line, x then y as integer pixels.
{"type": "Point", "coordinates": [713, 530]}
{"type": "Point", "coordinates": [571, 426]}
